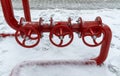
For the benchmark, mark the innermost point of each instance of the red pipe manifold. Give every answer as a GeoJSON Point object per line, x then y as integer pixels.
{"type": "Point", "coordinates": [27, 30]}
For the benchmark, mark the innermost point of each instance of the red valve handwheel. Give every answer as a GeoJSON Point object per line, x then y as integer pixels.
{"type": "Point", "coordinates": [27, 33]}
{"type": "Point", "coordinates": [94, 32]}
{"type": "Point", "coordinates": [61, 31]}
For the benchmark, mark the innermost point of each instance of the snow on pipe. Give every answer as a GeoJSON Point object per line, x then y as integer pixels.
{"type": "Point", "coordinates": [17, 71]}
{"type": "Point", "coordinates": [28, 30]}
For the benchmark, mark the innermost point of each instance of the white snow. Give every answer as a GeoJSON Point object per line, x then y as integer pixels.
{"type": "Point", "coordinates": [65, 70]}
{"type": "Point", "coordinates": [11, 53]}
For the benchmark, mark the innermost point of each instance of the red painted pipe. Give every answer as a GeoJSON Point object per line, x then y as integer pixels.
{"type": "Point", "coordinates": [105, 46]}
{"type": "Point", "coordinates": [78, 27]}
{"type": "Point", "coordinates": [16, 71]}
{"type": "Point", "coordinates": [6, 35]}
{"type": "Point", "coordinates": [9, 14]}
{"type": "Point", "coordinates": [26, 9]}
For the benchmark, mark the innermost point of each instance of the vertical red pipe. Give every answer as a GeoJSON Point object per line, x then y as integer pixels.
{"type": "Point", "coordinates": [26, 8]}
{"type": "Point", "coordinates": [9, 14]}
{"type": "Point", "coordinates": [105, 46]}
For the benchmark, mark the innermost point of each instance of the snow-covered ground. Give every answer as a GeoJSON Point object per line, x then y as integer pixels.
{"type": "Point", "coordinates": [11, 54]}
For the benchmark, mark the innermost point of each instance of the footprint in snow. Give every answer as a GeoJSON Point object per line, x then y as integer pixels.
{"type": "Point", "coordinates": [114, 69]}
{"type": "Point", "coordinates": [4, 51]}
{"type": "Point", "coordinates": [112, 45]}
{"type": "Point", "coordinates": [117, 37]}
{"type": "Point", "coordinates": [1, 23]}
{"type": "Point", "coordinates": [118, 47]}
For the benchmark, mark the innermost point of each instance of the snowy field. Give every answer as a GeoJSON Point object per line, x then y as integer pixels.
{"type": "Point", "coordinates": [12, 54]}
